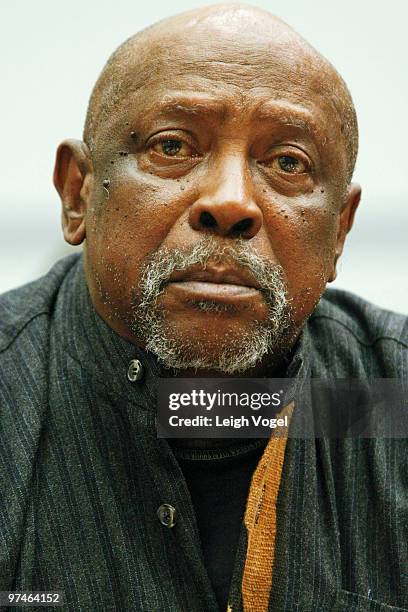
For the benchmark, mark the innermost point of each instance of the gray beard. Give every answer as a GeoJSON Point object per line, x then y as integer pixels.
{"type": "Point", "coordinates": [235, 354]}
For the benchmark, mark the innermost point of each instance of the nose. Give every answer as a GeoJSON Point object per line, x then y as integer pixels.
{"type": "Point", "coordinates": [226, 206]}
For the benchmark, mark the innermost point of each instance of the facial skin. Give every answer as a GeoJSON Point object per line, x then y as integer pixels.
{"type": "Point", "coordinates": [228, 130]}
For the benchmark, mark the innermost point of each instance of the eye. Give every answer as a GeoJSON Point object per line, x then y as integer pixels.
{"type": "Point", "coordinates": [287, 160]}
{"type": "Point", "coordinates": [173, 147]}
{"type": "Point", "coordinates": [291, 164]}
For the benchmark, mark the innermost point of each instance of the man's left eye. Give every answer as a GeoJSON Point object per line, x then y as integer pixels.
{"type": "Point", "coordinates": [287, 163]}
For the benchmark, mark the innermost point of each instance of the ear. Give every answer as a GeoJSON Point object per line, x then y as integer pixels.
{"type": "Point", "coordinates": [345, 223]}
{"type": "Point", "coordinates": [73, 178]}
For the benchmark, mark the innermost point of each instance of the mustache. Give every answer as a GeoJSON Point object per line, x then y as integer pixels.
{"type": "Point", "coordinates": [160, 266]}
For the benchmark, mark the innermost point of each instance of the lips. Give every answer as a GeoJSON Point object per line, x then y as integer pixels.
{"type": "Point", "coordinates": [220, 276]}
{"type": "Point", "coordinates": [214, 284]}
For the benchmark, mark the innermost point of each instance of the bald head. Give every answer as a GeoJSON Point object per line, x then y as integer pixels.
{"type": "Point", "coordinates": [230, 35]}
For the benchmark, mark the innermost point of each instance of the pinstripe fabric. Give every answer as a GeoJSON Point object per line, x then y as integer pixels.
{"type": "Point", "coordinates": [82, 473]}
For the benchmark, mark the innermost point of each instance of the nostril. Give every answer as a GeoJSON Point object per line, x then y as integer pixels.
{"type": "Point", "coordinates": [207, 220]}
{"type": "Point", "coordinates": [242, 226]}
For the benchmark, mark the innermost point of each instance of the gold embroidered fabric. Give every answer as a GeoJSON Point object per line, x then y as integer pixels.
{"type": "Point", "coordinates": [260, 521]}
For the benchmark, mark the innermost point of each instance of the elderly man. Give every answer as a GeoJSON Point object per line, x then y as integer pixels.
{"type": "Point", "coordinates": [213, 194]}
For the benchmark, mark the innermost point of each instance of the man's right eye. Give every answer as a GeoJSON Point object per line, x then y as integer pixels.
{"type": "Point", "coordinates": [173, 147]}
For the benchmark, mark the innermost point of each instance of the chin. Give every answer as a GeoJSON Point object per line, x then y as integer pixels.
{"type": "Point", "coordinates": [211, 334]}
{"type": "Point", "coordinates": [226, 346]}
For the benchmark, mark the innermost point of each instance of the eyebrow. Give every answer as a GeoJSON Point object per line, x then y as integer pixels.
{"type": "Point", "coordinates": [288, 113]}
{"type": "Point", "coordinates": [194, 104]}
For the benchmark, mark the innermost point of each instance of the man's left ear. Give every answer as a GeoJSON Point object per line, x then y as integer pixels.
{"type": "Point", "coordinates": [345, 223]}
{"type": "Point", "coordinates": [73, 179]}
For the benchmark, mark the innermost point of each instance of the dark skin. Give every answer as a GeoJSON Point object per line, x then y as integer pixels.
{"type": "Point", "coordinates": [228, 148]}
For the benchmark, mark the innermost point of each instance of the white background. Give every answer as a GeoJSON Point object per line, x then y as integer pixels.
{"type": "Point", "coordinates": [53, 51]}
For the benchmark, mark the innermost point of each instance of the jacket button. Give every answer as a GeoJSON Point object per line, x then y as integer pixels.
{"type": "Point", "coordinates": [135, 370]}
{"type": "Point", "coordinates": [167, 515]}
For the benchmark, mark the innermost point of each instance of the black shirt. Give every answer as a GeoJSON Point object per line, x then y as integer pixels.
{"type": "Point", "coordinates": [218, 480]}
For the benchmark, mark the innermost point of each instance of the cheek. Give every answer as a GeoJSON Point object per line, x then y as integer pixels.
{"type": "Point", "coordinates": [304, 243]}
{"type": "Point", "coordinates": [125, 227]}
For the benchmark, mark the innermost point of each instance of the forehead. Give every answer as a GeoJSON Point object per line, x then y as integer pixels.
{"type": "Point", "coordinates": [239, 60]}
{"type": "Point", "coordinates": [227, 72]}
